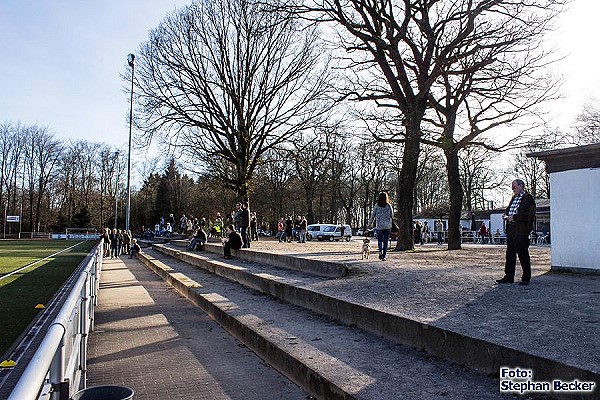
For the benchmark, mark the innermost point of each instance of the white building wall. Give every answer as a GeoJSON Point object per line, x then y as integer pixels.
{"type": "Point", "coordinates": [497, 222]}
{"type": "Point", "coordinates": [575, 219]}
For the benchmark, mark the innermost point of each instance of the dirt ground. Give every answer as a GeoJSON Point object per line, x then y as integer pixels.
{"type": "Point", "coordinates": [554, 317]}
{"type": "Point", "coordinates": [429, 254]}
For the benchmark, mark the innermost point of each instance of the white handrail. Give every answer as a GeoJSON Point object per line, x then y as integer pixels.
{"type": "Point", "coordinates": [48, 365]}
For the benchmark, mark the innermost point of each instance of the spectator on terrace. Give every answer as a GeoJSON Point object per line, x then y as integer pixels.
{"type": "Point", "coordinates": [135, 248]}
{"type": "Point", "coordinates": [244, 216]}
{"type": "Point", "coordinates": [198, 240]}
{"type": "Point", "coordinates": [114, 244]}
{"type": "Point", "coordinates": [253, 227]}
{"type": "Point", "coordinates": [289, 228]}
{"type": "Point", "coordinates": [233, 241]}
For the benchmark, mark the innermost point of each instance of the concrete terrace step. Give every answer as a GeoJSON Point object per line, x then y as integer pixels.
{"type": "Point", "coordinates": [315, 267]}
{"type": "Point", "coordinates": [328, 359]}
{"type": "Point", "coordinates": [482, 355]}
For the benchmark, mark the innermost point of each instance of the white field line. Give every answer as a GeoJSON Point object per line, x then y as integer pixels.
{"type": "Point", "coordinates": [38, 261]}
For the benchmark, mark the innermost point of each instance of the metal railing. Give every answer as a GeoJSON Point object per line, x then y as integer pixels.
{"type": "Point", "coordinates": [58, 368]}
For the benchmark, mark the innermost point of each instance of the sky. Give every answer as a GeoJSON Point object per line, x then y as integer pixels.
{"type": "Point", "coordinates": [61, 62]}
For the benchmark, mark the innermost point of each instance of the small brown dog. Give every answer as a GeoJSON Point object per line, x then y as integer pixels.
{"type": "Point", "coordinates": [366, 248]}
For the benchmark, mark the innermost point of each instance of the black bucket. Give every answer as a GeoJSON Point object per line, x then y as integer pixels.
{"type": "Point", "coordinates": [104, 393]}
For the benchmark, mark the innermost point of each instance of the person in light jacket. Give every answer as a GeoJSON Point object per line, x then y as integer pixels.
{"type": "Point", "coordinates": [381, 218]}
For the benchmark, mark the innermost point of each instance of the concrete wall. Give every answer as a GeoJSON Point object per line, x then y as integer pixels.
{"type": "Point", "coordinates": [575, 220]}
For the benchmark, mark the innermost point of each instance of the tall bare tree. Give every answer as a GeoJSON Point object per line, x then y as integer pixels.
{"type": "Point", "coordinates": [412, 55]}
{"type": "Point", "coordinates": [44, 153]}
{"type": "Point", "coordinates": [9, 145]}
{"type": "Point", "coordinates": [431, 190]}
{"type": "Point", "coordinates": [494, 76]}
{"type": "Point", "coordinates": [533, 170]}
{"type": "Point", "coordinates": [225, 80]}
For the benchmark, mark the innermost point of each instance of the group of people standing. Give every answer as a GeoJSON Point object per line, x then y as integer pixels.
{"type": "Point", "coordinates": [118, 242]}
{"type": "Point", "coordinates": [289, 229]}
{"type": "Point", "coordinates": [185, 226]}
{"type": "Point", "coordinates": [421, 232]}
{"type": "Point", "coordinates": [241, 230]}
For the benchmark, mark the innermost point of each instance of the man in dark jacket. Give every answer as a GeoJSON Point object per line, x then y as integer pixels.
{"type": "Point", "coordinates": [233, 241]}
{"type": "Point", "coordinates": [244, 216]}
{"type": "Point", "coordinates": [519, 217]}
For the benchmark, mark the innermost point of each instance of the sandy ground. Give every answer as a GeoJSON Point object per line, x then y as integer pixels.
{"type": "Point", "coordinates": [429, 254]}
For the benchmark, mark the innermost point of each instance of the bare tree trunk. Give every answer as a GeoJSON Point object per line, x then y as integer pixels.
{"type": "Point", "coordinates": [456, 197]}
{"type": "Point", "coordinates": [406, 183]}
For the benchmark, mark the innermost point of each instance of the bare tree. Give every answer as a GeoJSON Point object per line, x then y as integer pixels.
{"type": "Point", "coordinates": [494, 76]}
{"type": "Point", "coordinates": [587, 125]}
{"type": "Point", "coordinates": [77, 178]}
{"type": "Point", "coordinates": [310, 156]}
{"type": "Point", "coordinates": [395, 68]}
{"type": "Point", "coordinates": [12, 157]}
{"type": "Point", "coordinates": [44, 153]}
{"type": "Point", "coordinates": [350, 187]}
{"type": "Point", "coordinates": [459, 58]}
{"type": "Point", "coordinates": [275, 176]}
{"type": "Point", "coordinates": [431, 189]}
{"type": "Point", "coordinates": [226, 80]}
{"type": "Point", "coordinates": [533, 170]}
{"type": "Point", "coordinates": [477, 176]}
{"type": "Point", "coordinates": [373, 159]}
{"type": "Point", "coordinates": [401, 51]}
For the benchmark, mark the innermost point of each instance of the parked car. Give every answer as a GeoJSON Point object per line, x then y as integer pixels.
{"type": "Point", "coordinates": [333, 232]}
{"type": "Point", "coordinates": [370, 232]}
{"type": "Point", "coordinates": [361, 232]}
{"type": "Point", "coordinates": [313, 230]}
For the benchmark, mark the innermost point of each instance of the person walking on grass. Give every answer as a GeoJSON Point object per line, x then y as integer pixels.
{"type": "Point", "coordinates": [381, 218]}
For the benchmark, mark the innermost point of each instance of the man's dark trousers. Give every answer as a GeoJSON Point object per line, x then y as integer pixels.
{"type": "Point", "coordinates": [245, 237]}
{"type": "Point", "coordinates": [517, 244]}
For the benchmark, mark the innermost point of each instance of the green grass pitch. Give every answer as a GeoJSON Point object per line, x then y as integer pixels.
{"type": "Point", "coordinates": [36, 284]}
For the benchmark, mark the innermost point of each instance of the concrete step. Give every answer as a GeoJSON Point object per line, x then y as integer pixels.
{"type": "Point", "coordinates": [326, 358]}
{"type": "Point", "coordinates": [479, 354]}
{"type": "Point", "coordinates": [301, 264]}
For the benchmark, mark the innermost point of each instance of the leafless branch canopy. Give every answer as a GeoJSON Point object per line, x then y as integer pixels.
{"type": "Point", "coordinates": [226, 80]}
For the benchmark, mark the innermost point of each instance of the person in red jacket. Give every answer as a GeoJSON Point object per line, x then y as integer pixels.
{"type": "Point", "coordinates": [483, 232]}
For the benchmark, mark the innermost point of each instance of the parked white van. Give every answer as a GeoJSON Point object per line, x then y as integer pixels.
{"type": "Point", "coordinates": [313, 230]}
{"type": "Point", "coordinates": [332, 232]}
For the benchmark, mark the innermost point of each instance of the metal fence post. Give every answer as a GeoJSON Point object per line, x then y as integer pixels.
{"type": "Point", "coordinates": [57, 369]}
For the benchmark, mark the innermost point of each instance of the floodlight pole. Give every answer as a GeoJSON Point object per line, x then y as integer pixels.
{"type": "Point", "coordinates": [116, 184]}
{"type": "Point", "coordinates": [130, 59]}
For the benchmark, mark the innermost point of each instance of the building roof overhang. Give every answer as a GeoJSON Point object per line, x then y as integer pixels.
{"type": "Point", "coordinates": [578, 157]}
